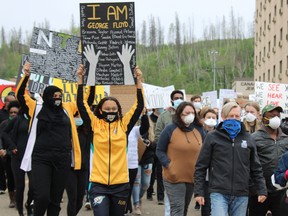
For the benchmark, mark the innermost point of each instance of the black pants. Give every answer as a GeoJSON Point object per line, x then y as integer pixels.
{"type": "Point", "coordinates": [19, 177]}
{"type": "Point", "coordinates": [3, 185]}
{"type": "Point", "coordinates": [109, 200]}
{"type": "Point", "coordinates": [49, 181]}
{"type": "Point", "coordinates": [75, 188]}
{"type": "Point", "coordinates": [150, 189]}
{"type": "Point", "coordinates": [9, 174]}
{"type": "Point", "coordinates": [272, 203]}
{"type": "Point", "coordinates": [160, 185]}
{"type": "Point", "coordinates": [132, 177]}
{"type": "Point", "coordinates": [206, 209]}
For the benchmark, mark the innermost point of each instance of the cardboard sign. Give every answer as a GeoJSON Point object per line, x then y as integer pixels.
{"type": "Point", "coordinates": [108, 42]}
{"type": "Point", "coordinates": [54, 54]}
{"type": "Point", "coordinates": [272, 93]}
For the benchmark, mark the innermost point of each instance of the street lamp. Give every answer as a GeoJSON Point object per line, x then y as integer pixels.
{"type": "Point", "coordinates": [213, 53]}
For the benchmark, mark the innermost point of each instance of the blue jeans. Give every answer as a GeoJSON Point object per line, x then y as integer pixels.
{"type": "Point", "coordinates": [141, 182]}
{"type": "Point", "coordinates": [223, 204]}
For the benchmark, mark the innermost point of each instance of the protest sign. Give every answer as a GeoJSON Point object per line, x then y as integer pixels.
{"type": "Point", "coordinates": [54, 54]}
{"type": "Point", "coordinates": [4, 90]}
{"type": "Point", "coordinates": [272, 93]}
{"type": "Point", "coordinates": [209, 99]}
{"type": "Point", "coordinates": [37, 84]}
{"type": "Point", "coordinates": [156, 96]}
{"type": "Point", "coordinates": [108, 42]}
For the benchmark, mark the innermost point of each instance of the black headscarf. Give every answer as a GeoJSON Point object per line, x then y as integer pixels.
{"type": "Point", "coordinates": [49, 111]}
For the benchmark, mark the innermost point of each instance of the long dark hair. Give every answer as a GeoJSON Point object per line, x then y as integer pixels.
{"type": "Point", "coordinates": [102, 101]}
{"type": "Point", "coordinates": [177, 117]}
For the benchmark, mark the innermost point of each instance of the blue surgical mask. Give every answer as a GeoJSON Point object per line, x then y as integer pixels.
{"type": "Point", "coordinates": [78, 121]}
{"type": "Point", "coordinates": [176, 103]}
{"type": "Point", "coordinates": [232, 126]}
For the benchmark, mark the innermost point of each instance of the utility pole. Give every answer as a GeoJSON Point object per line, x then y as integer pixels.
{"type": "Point", "coordinates": [213, 53]}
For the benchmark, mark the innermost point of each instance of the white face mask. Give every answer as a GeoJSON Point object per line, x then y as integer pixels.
{"type": "Point", "coordinates": [210, 122]}
{"type": "Point", "coordinates": [250, 117]}
{"type": "Point", "coordinates": [274, 122]}
{"type": "Point", "coordinates": [197, 105]}
{"type": "Point", "coordinates": [189, 119]}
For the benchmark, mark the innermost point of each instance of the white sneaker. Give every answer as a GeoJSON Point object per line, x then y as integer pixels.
{"type": "Point", "coordinates": [137, 210]}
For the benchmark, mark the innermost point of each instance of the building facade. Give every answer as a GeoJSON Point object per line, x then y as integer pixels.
{"type": "Point", "coordinates": [271, 41]}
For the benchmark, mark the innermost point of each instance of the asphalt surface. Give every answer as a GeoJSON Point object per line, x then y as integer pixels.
{"type": "Point", "coordinates": [148, 208]}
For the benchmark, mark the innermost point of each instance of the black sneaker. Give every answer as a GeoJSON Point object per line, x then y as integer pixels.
{"type": "Point", "coordinates": [150, 198]}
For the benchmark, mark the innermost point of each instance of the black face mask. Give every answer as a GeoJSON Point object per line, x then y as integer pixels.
{"type": "Point", "coordinates": [110, 116]}
{"type": "Point", "coordinates": [57, 102]}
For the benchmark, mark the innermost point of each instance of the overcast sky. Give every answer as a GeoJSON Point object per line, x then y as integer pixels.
{"type": "Point", "coordinates": [24, 13]}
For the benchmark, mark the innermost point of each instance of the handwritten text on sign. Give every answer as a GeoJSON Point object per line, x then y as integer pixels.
{"type": "Point", "coordinates": [272, 93]}
{"type": "Point", "coordinates": [108, 42]}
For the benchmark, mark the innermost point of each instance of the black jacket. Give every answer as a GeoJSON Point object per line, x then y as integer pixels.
{"type": "Point", "coordinates": [269, 152]}
{"type": "Point", "coordinates": [231, 163]}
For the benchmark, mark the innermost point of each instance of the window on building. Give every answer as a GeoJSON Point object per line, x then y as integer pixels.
{"type": "Point", "coordinates": [281, 33]}
{"type": "Point", "coordinates": [264, 51]}
{"type": "Point", "coordinates": [287, 59]}
{"type": "Point", "coordinates": [264, 25]}
{"type": "Point", "coordinates": [263, 77]}
{"type": "Point", "coordinates": [269, 45]}
{"type": "Point", "coordinates": [275, 10]}
{"type": "Point", "coordinates": [259, 78]}
{"type": "Point", "coordinates": [268, 75]}
{"type": "Point", "coordinates": [281, 3]}
{"type": "Point", "coordinates": [274, 70]}
{"type": "Point", "coordinates": [274, 40]}
{"type": "Point", "coordinates": [260, 31]}
{"type": "Point", "coordinates": [280, 66]}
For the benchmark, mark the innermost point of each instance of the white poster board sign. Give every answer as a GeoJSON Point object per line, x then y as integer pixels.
{"type": "Point", "coordinates": [272, 93]}
{"type": "Point", "coordinates": [209, 99]}
{"type": "Point", "coordinates": [156, 96]}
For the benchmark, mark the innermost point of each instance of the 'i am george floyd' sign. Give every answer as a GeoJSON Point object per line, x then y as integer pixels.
{"type": "Point", "coordinates": [108, 43]}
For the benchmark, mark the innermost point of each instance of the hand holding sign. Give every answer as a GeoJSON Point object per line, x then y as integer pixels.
{"type": "Point", "coordinates": [80, 74]}
{"type": "Point", "coordinates": [92, 58]}
{"type": "Point", "coordinates": [27, 68]}
{"type": "Point", "coordinates": [125, 58]}
{"type": "Point", "coordinates": [138, 76]}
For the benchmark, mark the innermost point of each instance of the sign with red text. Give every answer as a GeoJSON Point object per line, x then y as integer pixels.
{"type": "Point", "coordinates": [272, 93]}
{"type": "Point", "coordinates": [108, 42]}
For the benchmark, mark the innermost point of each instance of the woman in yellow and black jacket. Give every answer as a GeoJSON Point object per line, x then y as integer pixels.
{"type": "Point", "coordinates": [109, 174]}
{"type": "Point", "coordinates": [52, 138]}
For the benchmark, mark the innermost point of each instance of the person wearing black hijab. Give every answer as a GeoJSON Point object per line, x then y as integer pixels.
{"type": "Point", "coordinates": [52, 142]}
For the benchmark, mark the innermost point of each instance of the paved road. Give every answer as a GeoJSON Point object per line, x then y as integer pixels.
{"type": "Point", "coordinates": [149, 208]}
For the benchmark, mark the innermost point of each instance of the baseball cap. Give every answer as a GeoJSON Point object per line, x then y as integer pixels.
{"type": "Point", "coordinates": [271, 107]}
